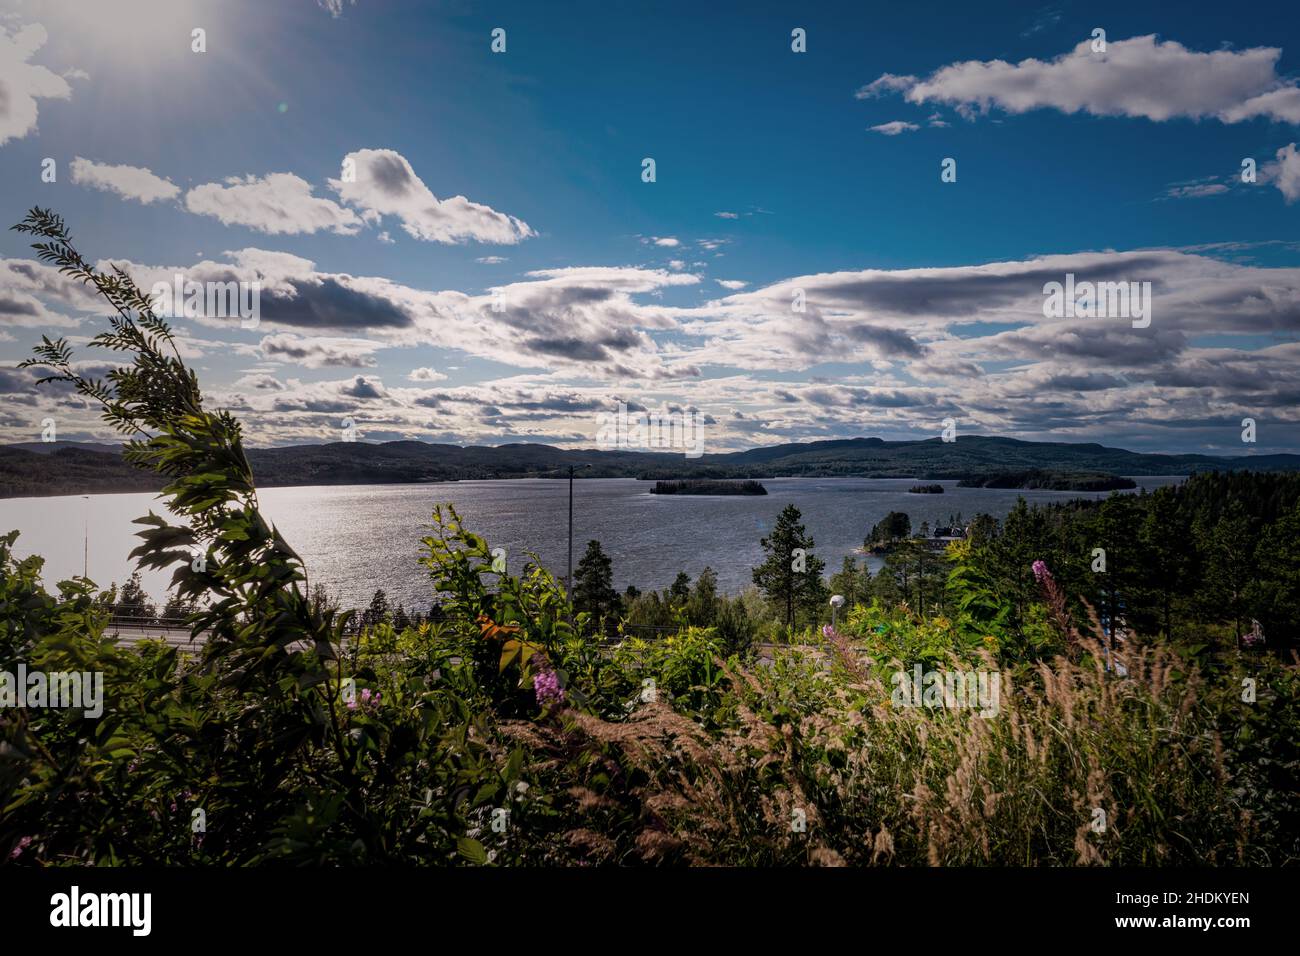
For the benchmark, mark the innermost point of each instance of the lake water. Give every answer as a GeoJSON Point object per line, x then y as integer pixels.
{"type": "Point", "coordinates": [359, 537]}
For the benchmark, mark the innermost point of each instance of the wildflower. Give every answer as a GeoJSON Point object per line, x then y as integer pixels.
{"type": "Point", "coordinates": [367, 700]}
{"type": "Point", "coordinates": [546, 688]}
{"type": "Point", "coordinates": [1040, 571]}
{"type": "Point", "coordinates": [21, 845]}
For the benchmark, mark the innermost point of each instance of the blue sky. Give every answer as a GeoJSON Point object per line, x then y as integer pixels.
{"type": "Point", "coordinates": [775, 171]}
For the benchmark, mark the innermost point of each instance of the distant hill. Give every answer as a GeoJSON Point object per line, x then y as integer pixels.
{"type": "Point", "coordinates": [72, 468]}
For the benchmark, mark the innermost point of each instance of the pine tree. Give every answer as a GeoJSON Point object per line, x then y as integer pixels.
{"type": "Point", "coordinates": [680, 590]}
{"type": "Point", "coordinates": [593, 590]}
{"type": "Point", "coordinates": [848, 582]}
{"type": "Point", "coordinates": [702, 608]}
{"type": "Point", "coordinates": [133, 604]}
{"type": "Point", "coordinates": [790, 576]}
{"type": "Point", "coordinates": [378, 610]}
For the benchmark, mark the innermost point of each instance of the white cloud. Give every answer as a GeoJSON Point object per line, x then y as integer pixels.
{"type": "Point", "coordinates": [386, 185]}
{"type": "Point", "coordinates": [670, 242]}
{"type": "Point", "coordinates": [129, 182]}
{"type": "Point", "coordinates": [491, 260]}
{"type": "Point", "coordinates": [1195, 190]}
{"type": "Point", "coordinates": [733, 284]}
{"type": "Point", "coordinates": [425, 374]}
{"type": "Point", "coordinates": [1140, 77]}
{"type": "Point", "coordinates": [888, 83]}
{"type": "Point", "coordinates": [727, 215]}
{"type": "Point", "coordinates": [894, 128]}
{"type": "Point", "coordinates": [278, 204]}
{"type": "Point", "coordinates": [1285, 172]}
{"type": "Point", "coordinates": [23, 83]}
{"type": "Point", "coordinates": [319, 351]}
{"type": "Point", "coordinates": [908, 346]}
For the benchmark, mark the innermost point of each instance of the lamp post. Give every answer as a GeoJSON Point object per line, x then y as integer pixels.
{"type": "Point", "coordinates": [568, 578]}
{"type": "Point", "coordinates": [568, 581]}
{"type": "Point", "coordinates": [85, 556]}
{"type": "Point", "coordinates": [837, 602]}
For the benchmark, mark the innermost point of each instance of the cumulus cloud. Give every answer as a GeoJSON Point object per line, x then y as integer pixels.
{"type": "Point", "coordinates": [916, 315]}
{"type": "Point", "coordinates": [278, 204]}
{"type": "Point", "coordinates": [319, 352]}
{"type": "Point", "coordinates": [580, 317]}
{"type": "Point", "coordinates": [385, 185]}
{"type": "Point", "coordinates": [425, 374]}
{"type": "Point", "coordinates": [878, 351]}
{"type": "Point", "coordinates": [1285, 172]}
{"type": "Point", "coordinates": [1139, 77]}
{"type": "Point", "coordinates": [129, 182]}
{"type": "Point", "coordinates": [23, 83]}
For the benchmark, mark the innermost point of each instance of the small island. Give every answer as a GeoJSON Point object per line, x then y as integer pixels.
{"type": "Point", "coordinates": [704, 486]}
{"type": "Point", "coordinates": [925, 490]}
{"type": "Point", "coordinates": [1050, 481]}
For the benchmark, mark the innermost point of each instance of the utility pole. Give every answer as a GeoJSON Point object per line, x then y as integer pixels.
{"type": "Point", "coordinates": [568, 581]}
{"type": "Point", "coordinates": [85, 558]}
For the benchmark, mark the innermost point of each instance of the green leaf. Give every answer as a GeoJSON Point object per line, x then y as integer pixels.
{"type": "Point", "coordinates": [472, 850]}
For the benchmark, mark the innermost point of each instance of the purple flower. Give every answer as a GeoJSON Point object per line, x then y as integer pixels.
{"type": "Point", "coordinates": [1040, 571]}
{"type": "Point", "coordinates": [22, 844]}
{"type": "Point", "coordinates": [546, 688]}
{"type": "Point", "coordinates": [368, 700]}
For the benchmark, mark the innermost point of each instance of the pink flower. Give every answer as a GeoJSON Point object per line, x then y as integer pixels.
{"type": "Point", "coordinates": [368, 700]}
{"type": "Point", "coordinates": [1040, 572]}
{"type": "Point", "coordinates": [21, 845]}
{"type": "Point", "coordinates": [546, 688]}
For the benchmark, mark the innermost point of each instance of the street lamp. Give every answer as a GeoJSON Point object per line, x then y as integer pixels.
{"type": "Point", "coordinates": [85, 557]}
{"type": "Point", "coordinates": [568, 581]}
{"type": "Point", "coordinates": [837, 602]}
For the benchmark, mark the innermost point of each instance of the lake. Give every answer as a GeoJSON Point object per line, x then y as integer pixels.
{"type": "Point", "coordinates": [356, 538]}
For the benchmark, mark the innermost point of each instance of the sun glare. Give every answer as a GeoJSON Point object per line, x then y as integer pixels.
{"type": "Point", "coordinates": [145, 33]}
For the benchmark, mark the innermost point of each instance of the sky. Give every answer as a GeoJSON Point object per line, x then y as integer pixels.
{"type": "Point", "coordinates": [855, 215]}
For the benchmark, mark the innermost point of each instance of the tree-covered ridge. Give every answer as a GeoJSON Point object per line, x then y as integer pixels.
{"type": "Point", "coordinates": [703, 486]}
{"type": "Point", "coordinates": [76, 470]}
{"type": "Point", "coordinates": [508, 731]}
{"type": "Point", "coordinates": [1049, 481]}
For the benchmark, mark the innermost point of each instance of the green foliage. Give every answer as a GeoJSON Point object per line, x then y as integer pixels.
{"type": "Point", "coordinates": [892, 527]}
